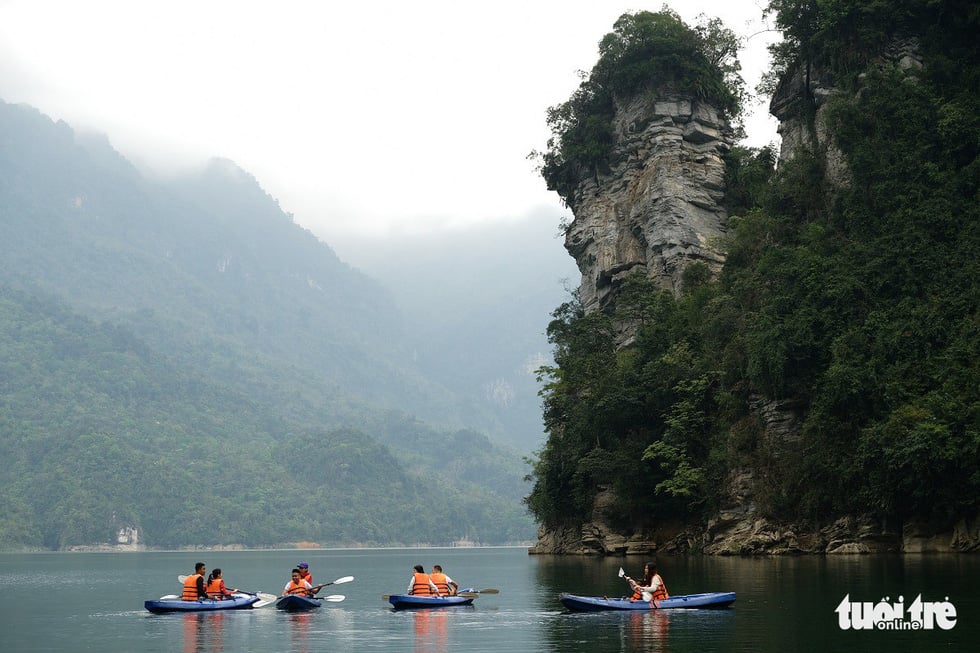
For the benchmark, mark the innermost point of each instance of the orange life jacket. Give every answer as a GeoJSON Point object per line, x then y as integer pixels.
{"type": "Point", "coordinates": [441, 583]}
{"type": "Point", "coordinates": [308, 577]}
{"type": "Point", "coordinates": [216, 589]}
{"type": "Point", "coordinates": [658, 595]}
{"type": "Point", "coordinates": [297, 588]}
{"type": "Point", "coordinates": [421, 585]}
{"type": "Point", "coordinates": [190, 588]}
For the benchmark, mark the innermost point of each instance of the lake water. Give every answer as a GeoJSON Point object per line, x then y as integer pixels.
{"type": "Point", "coordinates": [94, 602]}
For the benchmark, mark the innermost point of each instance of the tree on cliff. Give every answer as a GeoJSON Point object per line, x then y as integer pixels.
{"type": "Point", "coordinates": [859, 306]}
{"type": "Point", "coordinates": [645, 51]}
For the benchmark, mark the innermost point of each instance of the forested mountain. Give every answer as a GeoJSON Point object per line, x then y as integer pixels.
{"type": "Point", "coordinates": [181, 357]}
{"type": "Point", "coordinates": [476, 301]}
{"type": "Point", "coordinates": [829, 374]}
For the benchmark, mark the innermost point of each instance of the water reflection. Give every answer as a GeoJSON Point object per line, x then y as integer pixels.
{"type": "Point", "coordinates": [299, 631]}
{"type": "Point", "coordinates": [203, 631]}
{"type": "Point", "coordinates": [430, 631]}
{"type": "Point", "coordinates": [646, 631]}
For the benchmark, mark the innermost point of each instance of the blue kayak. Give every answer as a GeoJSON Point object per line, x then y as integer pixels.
{"type": "Point", "coordinates": [237, 602]}
{"type": "Point", "coordinates": [409, 601]}
{"type": "Point", "coordinates": [297, 603]}
{"type": "Point", "coordinates": [707, 600]}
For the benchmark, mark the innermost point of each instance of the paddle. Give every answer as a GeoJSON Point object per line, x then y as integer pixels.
{"type": "Point", "coordinates": [472, 594]}
{"type": "Point", "coordinates": [339, 581]}
{"type": "Point", "coordinates": [333, 598]}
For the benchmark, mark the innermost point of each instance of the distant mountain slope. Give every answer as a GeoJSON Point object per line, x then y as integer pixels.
{"type": "Point", "coordinates": [201, 334]}
{"type": "Point", "coordinates": [477, 301]}
{"type": "Point", "coordinates": [212, 255]}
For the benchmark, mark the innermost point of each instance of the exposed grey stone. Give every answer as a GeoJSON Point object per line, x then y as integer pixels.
{"type": "Point", "coordinates": [656, 213]}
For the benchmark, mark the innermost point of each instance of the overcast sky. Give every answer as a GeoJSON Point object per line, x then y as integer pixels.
{"type": "Point", "coordinates": [362, 119]}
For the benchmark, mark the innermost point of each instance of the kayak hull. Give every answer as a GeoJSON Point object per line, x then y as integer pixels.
{"type": "Point", "coordinates": [297, 603]}
{"type": "Point", "coordinates": [708, 600]}
{"type": "Point", "coordinates": [238, 602]}
{"type": "Point", "coordinates": [411, 602]}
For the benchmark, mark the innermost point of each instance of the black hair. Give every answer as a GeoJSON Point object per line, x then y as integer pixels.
{"type": "Point", "coordinates": [649, 569]}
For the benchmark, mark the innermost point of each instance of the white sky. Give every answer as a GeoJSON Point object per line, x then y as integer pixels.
{"type": "Point", "coordinates": [374, 119]}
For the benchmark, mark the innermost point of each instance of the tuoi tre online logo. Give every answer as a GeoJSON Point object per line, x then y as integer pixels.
{"type": "Point", "coordinates": [919, 615]}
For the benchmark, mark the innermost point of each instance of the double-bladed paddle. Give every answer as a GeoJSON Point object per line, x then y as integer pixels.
{"type": "Point", "coordinates": [339, 581]}
{"type": "Point", "coordinates": [472, 594]}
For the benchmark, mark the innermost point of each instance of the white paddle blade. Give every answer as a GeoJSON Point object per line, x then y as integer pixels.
{"type": "Point", "coordinates": [334, 598]}
{"type": "Point", "coordinates": [181, 579]}
{"type": "Point", "coordinates": [263, 603]}
{"type": "Point", "coordinates": [169, 597]}
{"type": "Point", "coordinates": [264, 596]}
{"type": "Point", "coordinates": [345, 579]}
{"type": "Point", "coordinates": [621, 572]}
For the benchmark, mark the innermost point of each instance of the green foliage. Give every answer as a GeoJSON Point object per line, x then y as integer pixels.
{"type": "Point", "coordinates": [634, 420]}
{"type": "Point", "coordinates": [858, 306]}
{"type": "Point", "coordinates": [747, 175]}
{"type": "Point", "coordinates": [645, 52]}
{"type": "Point", "coordinates": [184, 359]}
{"type": "Point", "coordinates": [98, 432]}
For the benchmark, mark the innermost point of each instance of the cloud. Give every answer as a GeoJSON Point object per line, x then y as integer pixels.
{"type": "Point", "coordinates": [356, 117]}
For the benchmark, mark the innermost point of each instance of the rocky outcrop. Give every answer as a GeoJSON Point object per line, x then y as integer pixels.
{"type": "Point", "coordinates": [658, 208]}
{"type": "Point", "coordinates": [598, 537]}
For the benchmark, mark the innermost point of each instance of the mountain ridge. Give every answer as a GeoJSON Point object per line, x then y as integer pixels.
{"type": "Point", "coordinates": [126, 291]}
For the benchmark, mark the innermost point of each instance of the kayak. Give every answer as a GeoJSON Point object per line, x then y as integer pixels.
{"type": "Point", "coordinates": [237, 602]}
{"type": "Point", "coordinates": [296, 603]}
{"type": "Point", "coordinates": [409, 601]}
{"type": "Point", "coordinates": [595, 603]}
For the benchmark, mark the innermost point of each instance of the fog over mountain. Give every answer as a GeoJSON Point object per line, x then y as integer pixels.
{"type": "Point", "coordinates": [168, 341]}
{"type": "Point", "coordinates": [478, 299]}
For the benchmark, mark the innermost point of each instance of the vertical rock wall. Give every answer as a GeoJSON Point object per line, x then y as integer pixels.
{"type": "Point", "coordinates": [658, 209]}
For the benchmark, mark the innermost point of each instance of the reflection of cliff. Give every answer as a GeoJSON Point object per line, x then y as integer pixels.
{"type": "Point", "coordinates": [659, 208]}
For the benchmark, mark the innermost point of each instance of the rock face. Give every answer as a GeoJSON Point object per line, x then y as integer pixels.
{"type": "Point", "coordinates": [658, 209]}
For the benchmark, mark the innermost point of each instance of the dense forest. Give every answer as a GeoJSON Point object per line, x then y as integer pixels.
{"type": "Point", "coordinates": [857, 304]}
{"type": "Point", "coordinates": [180, 357]}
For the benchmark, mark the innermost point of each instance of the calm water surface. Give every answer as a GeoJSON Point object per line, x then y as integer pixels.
{"type": "Point", "coordinates": [94, 602]}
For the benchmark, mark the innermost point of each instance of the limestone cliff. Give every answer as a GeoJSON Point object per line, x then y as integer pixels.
{"type": "Point", "coordinates": [658, 209]}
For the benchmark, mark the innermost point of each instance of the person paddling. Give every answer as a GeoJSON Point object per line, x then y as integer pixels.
{"type": "Point", "coordinates": [194, 589]}
{"type": "Point", "coordinates": [652, 588]}
{"type": "Point", "coordinates": [298, 586]}
{"type": "Point", "coordinates": [215, 586]}
{"type": "Point", "coordinates": [445, 585]}
{"type": "Point", "coordinates": [420, 584]}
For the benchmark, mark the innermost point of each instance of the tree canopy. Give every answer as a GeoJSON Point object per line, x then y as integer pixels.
{"type": "Point", "coordinates": [858, 307]}
{"type": "Point", "coordinates": [645, 51]}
